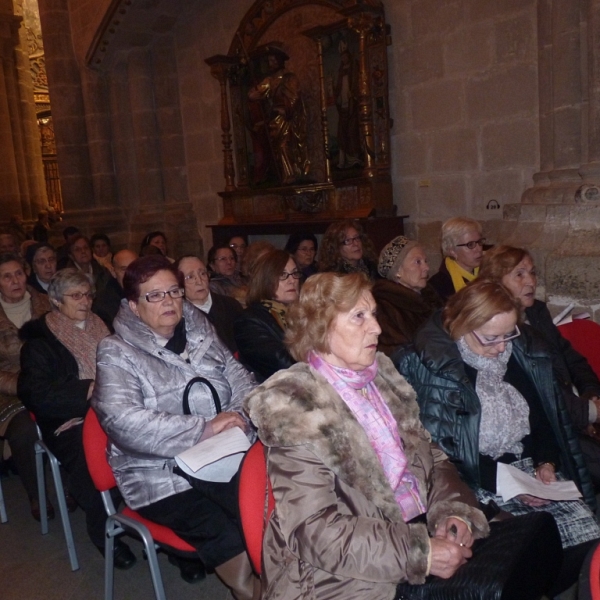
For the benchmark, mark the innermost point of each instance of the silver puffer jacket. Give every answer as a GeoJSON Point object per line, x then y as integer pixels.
{"type": "Point", "coordinates": [138, 397]}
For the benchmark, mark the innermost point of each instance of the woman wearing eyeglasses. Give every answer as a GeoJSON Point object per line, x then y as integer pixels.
{"type": "Point", "coordinates": [162, 342]}
{"type": "Point", "coordinates": [260, 329]}
{"type": "Point", "coordinates": [462, 248]}
{"type": "Point", "coordinates": [58, 370]}
{"type": "Point", "coordinates": [487, 393]}
{"type": "Point", "coordinates": [346, 248]}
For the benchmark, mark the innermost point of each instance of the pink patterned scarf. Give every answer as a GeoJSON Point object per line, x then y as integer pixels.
{"type": "Point", "coordinates": [81, 343]}
{"type": "Point", "coordinates": [360, 394]}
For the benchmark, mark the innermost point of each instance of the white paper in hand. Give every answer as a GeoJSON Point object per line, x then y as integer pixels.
{"type": "Point", "coordinates": [217, 458]}
{"type": "Point", "coordinates": [511, 482]}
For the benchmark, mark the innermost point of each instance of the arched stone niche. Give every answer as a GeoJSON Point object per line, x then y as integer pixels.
{"type": "Point", "coordinates": [314, 34]}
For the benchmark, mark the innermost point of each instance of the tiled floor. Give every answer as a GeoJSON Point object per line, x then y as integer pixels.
{"type": "Point", "coordinates": [36, 567]}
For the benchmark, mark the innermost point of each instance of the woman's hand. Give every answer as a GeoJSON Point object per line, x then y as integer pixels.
{"type": "Point", "coordinates": [532, 500]}
{"type": "Point", "coordinates": [227, 420]}
{"type": "Point", "coordinates": [446, 557]}
{"type": "Point", "coordinates": [546, 473]}
{"type": "Point", "coordinates": [455, 530]}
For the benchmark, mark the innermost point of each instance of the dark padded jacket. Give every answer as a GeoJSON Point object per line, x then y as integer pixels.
{"type": "Point", "coordinates": [571, 368]}
{"type": "Point", "coordinates": [259, 339]}
{"type": "Point", "coordinates": [49, 384]}
{"type": "Point", "coordinates": [451, 411]}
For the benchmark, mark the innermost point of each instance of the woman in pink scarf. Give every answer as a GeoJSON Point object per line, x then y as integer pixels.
{"type": "Point", "coordinates": [363, 500]}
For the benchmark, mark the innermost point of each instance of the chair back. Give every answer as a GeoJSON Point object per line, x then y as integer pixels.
{"type": "Point", "coordinates": [94, 446]}
{"type": "Point", "coordinates": [256, 502]}
{"type": "Point", "coordinates": [584, 336]}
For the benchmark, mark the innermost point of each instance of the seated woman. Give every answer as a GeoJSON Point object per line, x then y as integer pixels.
{"type": "Point", "coordinates": [19, 303]}
{"type": "Point", "coordinates": [356, 481]}
{"type": "Point", "coordinates": [161, 342]}
{"type": "Point", "coordinates": [102, 251]}
{"type": "Point", "coordinates": [487, 394]}
{"type": "Point", "coordinates": [462, 249]}
{"type": "Point", "coordinates": [157, 239]}
{"type": "Point", "coordinates": [239, 244]}
{"type": "Point", "coordinates": [303, 248]}
{"type": "Point", "coordinates": [404, 298]}
{"type": "Point", "coordinates": [224, 277]}
{"type": "Point", "coordinates": [346, 248]}
{"type": "Point", "coordinates": [58, 369]}
{"type": "Point", "coordinates": [514, 268]}
{"type": "Point", "coordinates": [220, 310]}
{"type": "Point", "coordinates": [259, 331]}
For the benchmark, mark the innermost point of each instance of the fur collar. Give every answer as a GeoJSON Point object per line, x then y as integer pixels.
{"type": "Point", "coordinates": [299, 407]}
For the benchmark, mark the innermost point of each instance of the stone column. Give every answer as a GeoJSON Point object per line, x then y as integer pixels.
{"type": "Point", "coordinates": [68, 110]}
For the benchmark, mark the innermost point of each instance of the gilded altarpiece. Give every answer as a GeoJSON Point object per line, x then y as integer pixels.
{"type": "Point", "coordinates": [304, 113]}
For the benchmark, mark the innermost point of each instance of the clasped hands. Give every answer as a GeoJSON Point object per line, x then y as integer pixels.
{"type": "Point", "coordinates": [450, 547]}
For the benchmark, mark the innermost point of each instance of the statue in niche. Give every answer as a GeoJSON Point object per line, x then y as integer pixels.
{"type": "Point", "coordinates": [278, 123]}
{"type": "Point", "coordinates": [346, 102]}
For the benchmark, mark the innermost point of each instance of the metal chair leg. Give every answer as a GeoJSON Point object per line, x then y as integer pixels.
{"type": "Point", "coordinates": [40, 449]}
{"type": "Point", "coordinates": [41, 482]}
{"type": "Point", "coordinates": [3, 515]}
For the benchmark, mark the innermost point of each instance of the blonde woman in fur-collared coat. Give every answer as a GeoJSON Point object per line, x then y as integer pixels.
{"type": "Point", "coordinates": [363, 500]}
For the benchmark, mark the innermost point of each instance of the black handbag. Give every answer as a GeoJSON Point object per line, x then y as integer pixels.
{"type": "Point", "coordinates": [518, 561]}
{"type": "Point", "coordinates": [223, 494]}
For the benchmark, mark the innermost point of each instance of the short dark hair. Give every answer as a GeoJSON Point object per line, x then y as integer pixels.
{"type": "Point", "coordinates": [212, 253]}
{"type": "Point", "coordinates": [142, 269]}
{"type": "Point", "coordinates": [75, 239]}
{"type": "Point", "coordinates": [99, 236]}
{"type": "Point", "coordinates": [296, 239]}
{"type": "Point", "coordinates": [69, 231]}
{"type": "Point", "coordinates": [265, 275]}
{"type": "Point", "coordinates": [150, 236]}
{"type": "Point", "coordinates": [7, 257]}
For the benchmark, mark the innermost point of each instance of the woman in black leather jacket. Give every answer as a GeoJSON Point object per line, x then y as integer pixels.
{"type": "Point", "coordinates": [514, 268]}
{"type": "Point", "coordinates": [260, 329]}
{"type": "Point", "coordinates": [487, 394]}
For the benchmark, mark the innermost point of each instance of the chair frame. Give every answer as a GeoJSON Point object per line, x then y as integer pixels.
{"type": "Point", "coordinates": [41, 448]}
{"type": "Point", "coordinates": [128, 521]}
{"type": "Point", "coordinates": [3, 515]}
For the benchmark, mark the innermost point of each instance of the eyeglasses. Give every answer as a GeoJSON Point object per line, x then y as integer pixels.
{"type": "Point", "coordinates": [44, 261]}
{"type": "Point", "coordinates": [471, 245]}
{"type": "Point", "coordinates": [295, 274]}
{"type": "Point", "coordinates": [352, 240]}
{"type": "Point", "coordinates": [236, 246]}
{"type": "Point", "coordinates": [160, 296]}
{"type": "Point", "coordinates": [227, 258]}
{"type": "Point", "coordinates": [196, 275]}
{"type": "Point", "coordinates": [511, 336]}
{"type": "Point", "coordinates": [77, 296]}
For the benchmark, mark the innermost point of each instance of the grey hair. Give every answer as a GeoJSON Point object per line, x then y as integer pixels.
{"type": "Point", "coordinates": [65, 279]}
{"type": "Point", "coordinates": [453, 229]}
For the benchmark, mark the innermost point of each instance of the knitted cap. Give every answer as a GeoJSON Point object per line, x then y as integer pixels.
{"type": "Point", "coordinates": [392, 256]}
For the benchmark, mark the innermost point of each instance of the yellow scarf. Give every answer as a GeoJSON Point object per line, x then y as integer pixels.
{"type": "Point", "coordinates": [460, 277]}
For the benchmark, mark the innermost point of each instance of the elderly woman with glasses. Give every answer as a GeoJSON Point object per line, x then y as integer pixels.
{"type": "Point", "coordinates": [346, 248]}
{"type": "Point", "coordinates": [161, 343]}
{"type": "Point", "coordinates": [487, 392]}
{"type": "Point", "coordinates": [260, 329]}
{"type": "Point", "coordinates": [225, 277]}
{"type": "Point", "coordinates": [462, 248]}
{"type": "Point", "coordinates": [58, 371]}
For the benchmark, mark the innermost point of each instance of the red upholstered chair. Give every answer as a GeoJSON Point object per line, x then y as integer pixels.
{"type": "Point", "coordinates": [152, 535]}
{"type": "Point", "coordinates": [584, 336]}
{"type": "Point", "coordinates": [589, 577]}
{"type": "Point", "coordinates": [256, 502]}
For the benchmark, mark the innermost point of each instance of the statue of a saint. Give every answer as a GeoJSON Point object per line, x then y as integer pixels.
{"type": "Point", "coordinates": [278, 123]}
{"type": "Point", "coordinates": [346, 101]}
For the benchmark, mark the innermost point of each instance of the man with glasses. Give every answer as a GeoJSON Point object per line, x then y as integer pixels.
{"type": "Point", "coordinates": [462, 248]}
{"type": "Point", "coordinates": [221, 310]}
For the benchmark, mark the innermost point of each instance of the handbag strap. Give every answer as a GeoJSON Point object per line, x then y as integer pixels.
{"type": "Point", "coordinates": [209, 385]}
